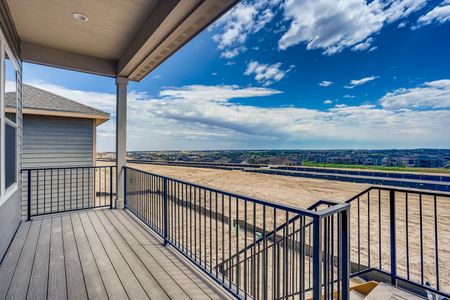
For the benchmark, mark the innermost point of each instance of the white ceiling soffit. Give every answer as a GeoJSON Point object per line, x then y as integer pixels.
{"type": "Point", "coordinates": [121, 37]}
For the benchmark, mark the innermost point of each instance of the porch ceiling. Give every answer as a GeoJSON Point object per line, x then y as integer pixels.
{"type": "Point", "coordinates": [121, 37]}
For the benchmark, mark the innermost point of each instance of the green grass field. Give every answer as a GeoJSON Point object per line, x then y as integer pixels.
{"type": "Point", "coordinates": [379, 168]}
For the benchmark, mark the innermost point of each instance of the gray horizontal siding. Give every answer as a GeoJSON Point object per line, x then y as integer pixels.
{"type": "Point", "coordinates": [57, 142]}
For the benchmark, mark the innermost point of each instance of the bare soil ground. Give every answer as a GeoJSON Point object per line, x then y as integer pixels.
{"type": "Point", "coordinates": [300, 192]}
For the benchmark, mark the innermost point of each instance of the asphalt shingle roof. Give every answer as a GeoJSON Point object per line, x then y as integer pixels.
{"type": "Point", "coordinates": [35, 98]}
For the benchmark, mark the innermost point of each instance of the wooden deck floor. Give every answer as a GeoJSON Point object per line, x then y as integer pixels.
{"type": "Point", "coordinates": [97, 254]}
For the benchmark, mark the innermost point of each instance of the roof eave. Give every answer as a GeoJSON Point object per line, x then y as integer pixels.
{"type": "Point", "coordinates": [100, 119]}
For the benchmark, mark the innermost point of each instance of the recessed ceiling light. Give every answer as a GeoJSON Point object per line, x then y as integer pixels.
{"type": "Point", "coordinates": [80, 17]}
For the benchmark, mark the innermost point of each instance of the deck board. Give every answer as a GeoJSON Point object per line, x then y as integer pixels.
{"type": "Point", "coordinates": [37, 288]}
{"type": "Point", "coordinates": [57, 271]}
{"type": "Point", "coordinates": [9, 263]}
{"type": "Point", "coordinates": [94, 283]}
{"type": "Point", "coordinates": [112, 283]}
{"type": "Point", "coordinates": [24, 266]}
{"type": "Point", "coordinates": [97, 254]}
{"type": "Point", "coordinates": [76, 288]}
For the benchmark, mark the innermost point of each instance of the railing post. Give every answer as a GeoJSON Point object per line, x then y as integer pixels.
{"type": "Point", "coordinates": [393, 237]}
{"type": "Point", "coordinates": [317, 258]}
{"type": "Point", "coordinates": [345, 225]}
{"type": "Point", "coordinates": [165, 212]}
{"type": "Point", "coordinates": [111, 187]}
{"type": "Point", "coordinates": [29, 196]}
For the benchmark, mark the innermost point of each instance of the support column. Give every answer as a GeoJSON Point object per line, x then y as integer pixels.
{"type": "Point", "coordinates": [121, 138]}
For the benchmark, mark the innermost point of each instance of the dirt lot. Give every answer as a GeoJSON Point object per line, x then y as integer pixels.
{"type": "Point", "coordinates": [296, 191]}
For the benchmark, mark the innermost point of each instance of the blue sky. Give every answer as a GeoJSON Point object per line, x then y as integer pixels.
{"type": "Point", "coordinates": [295, 74]}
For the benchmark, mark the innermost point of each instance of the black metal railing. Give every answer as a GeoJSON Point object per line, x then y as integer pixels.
{"type": "Point", "coordinates": [403, 235]}
{"type": "Point", "coordinates": [296, 253]}
{"type": "Point", "coordinates": [55, 190]}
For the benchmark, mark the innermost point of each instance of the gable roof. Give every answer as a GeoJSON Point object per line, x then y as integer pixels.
{"type": "Point", "coordinates": [40, 102]}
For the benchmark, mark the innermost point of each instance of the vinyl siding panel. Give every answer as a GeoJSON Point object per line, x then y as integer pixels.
{"type": "Point", "coordinates": [57, 142]}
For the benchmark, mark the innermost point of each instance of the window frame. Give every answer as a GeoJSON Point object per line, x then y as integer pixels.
{"type": "Point", "coordinates": [6, 193]}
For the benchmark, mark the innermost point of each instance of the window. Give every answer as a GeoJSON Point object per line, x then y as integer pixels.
{"type": "Point", "coordinates": [10, 120]}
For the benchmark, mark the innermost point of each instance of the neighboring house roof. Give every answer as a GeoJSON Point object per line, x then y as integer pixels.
{"type": "Point", "coordinates": [40, 102]}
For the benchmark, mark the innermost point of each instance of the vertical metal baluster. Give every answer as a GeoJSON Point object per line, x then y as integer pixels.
{"type": "Point", "coordinates": [51, 189]}
{"type": "Point", "coordinates": [223, 238]}
{"type": "Point", "coordinates": [210, 232]}
{"type": "Point", "coordinates": [45, 191]}
{"type": "Point", "coordinates": [245, 247]}
{"type": "Point", "coordinates": [204, 228]}
{"type": "Point", "coordinates": [421, 239]}
{"type": "Point", "coordinates": [93, 188]}
{"type": "Point", "coordinates": [200, 225]}
{"type": "Point", "coordinates": [368, 229]}
{"type": "Point", "coordinates": [393, 238]}
{"type": "Point", "coordinates": [29, 195]}
{"type": "Point", "coordinates": [339, 252]}
{"type": "Point", "coordinates": [253, 253]}
{"type": "Point", "coordinates": [285, 257]}
{"type": "Point", "coordinates": [82, 188]}
{"type": "Point", "coordinates": [166, 213]}
{"type": "Point", "coordinates": [317, 259]}
{"type": "Point", "coordinates": [57, 189]}
{"type": "Point", "coordinates": [195, 223]}
{"type": "Point", "coordinates": [301, 276]}
{"type": "Point", "coordinates": [309, 256]}
{"type": "Point", "coordinates": [99, 186]}
{"type": "Point", "coordinates": [436, 243]}
{"type": "Point", "coordinates": [379, 228]}
{"type": "Point", "coordinates": [217, 235]}
{"type": "Point", "coordinates": [265, 258]}
{"type": "Point", "coordinates": [190, 220]}
{"type": "Point", "coordinates": [326, 235]}
{"type": "Point", "coordinates": [407, 235]}
{"type": "Point", "coordinates": [345, 216]}
{"type": "Point", "coordinates": [230, 220]}
{"type": "Point", "coordinates": [359, 237]}
{"type": "Point", "coordinates": [236, 231]}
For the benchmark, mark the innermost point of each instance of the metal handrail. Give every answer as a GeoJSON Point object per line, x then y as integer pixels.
{"type": "Point", "coordinates": [51, 190]}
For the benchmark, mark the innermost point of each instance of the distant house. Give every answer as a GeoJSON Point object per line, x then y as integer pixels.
{"type": "Point", "coordinates": [57, 132]}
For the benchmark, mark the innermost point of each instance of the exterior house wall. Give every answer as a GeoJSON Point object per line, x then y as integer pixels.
{"type": "Point", "coordinates": [59, 142]}
{"type": "Point", "coordinates": [9, 207]}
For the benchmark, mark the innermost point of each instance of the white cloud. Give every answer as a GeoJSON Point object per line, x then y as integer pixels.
{"type": "Point", "coordinates": [364, 45]}
{"type": "Point", "coordinates": [325, 83]}
{"type": "Point", "coordinates": [210, 117]}
{"type": "Point", "coordinates": [439, 14]}
{"type": "Point", "coordinates": [431, 95]}
{"type": "Point", "coordinates": [328, 101]}
{"type": "Point", "coordinates": [246, 18]}
{"type": "Point", "coordinates": [358, 82]}
{"type": "Point", "coordinates": [334, 25]}
{"type": "Point", "coordinates": [266, 74]}
{"type": "Point", "coordinates": [402, 24]}
{"type": "Point", "coordinates": [233, 52]}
